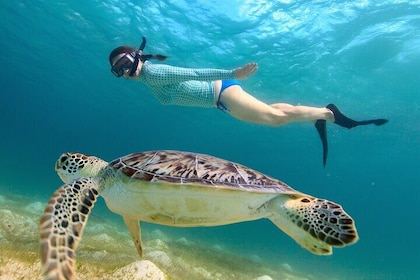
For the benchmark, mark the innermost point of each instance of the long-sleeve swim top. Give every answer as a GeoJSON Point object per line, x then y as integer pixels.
{"type": "Point", "coordinates": [182, 86]}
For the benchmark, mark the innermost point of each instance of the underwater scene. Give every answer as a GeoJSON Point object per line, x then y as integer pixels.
{"type": "Point", "coordinates": [58, 95]}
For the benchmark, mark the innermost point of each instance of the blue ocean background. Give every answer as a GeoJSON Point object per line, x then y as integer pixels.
{"type": "Point", "coordinates": [57, 94]}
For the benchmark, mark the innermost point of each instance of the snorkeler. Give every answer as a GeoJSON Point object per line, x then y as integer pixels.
{"type": "Point", "coordinates": [220, 88]}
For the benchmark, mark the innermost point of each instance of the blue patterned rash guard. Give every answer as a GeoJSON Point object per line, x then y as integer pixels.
{"type": "Point", "coordinates": [182, 86]}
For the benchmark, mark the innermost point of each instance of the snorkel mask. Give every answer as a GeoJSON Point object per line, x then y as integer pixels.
{"type": "Point", "coordinates": [128, 63]}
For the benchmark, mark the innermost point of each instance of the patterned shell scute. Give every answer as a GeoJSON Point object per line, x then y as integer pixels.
{"type": "Point", "coordinates": [190, 168]}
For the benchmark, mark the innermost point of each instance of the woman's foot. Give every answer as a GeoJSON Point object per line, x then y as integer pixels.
{"type": "Point", "coordinates": [342, 120]}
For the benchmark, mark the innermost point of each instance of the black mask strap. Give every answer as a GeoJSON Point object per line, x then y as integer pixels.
{"type": "Point", "coordinates": [137, 58]}
{"type": "Point", "coordinates": [135, 64]}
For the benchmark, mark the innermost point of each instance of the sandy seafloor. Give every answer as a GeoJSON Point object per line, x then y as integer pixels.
{"type": "Point", "coordinates": [105, 248]}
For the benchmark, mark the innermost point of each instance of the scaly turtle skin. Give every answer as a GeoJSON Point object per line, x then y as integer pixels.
{"type": "Point", "coordinates": [180, 189]}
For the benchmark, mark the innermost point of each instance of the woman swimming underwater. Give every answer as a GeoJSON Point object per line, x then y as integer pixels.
{"type": "Point", "coordinates": [218, 88]}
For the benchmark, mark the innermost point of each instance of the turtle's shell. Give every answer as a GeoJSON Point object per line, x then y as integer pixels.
{"type": "Point", "coordinates": [190, 168]}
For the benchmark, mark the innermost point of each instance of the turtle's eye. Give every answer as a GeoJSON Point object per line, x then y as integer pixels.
{"type": "Point", "coordinates": [63, 159]}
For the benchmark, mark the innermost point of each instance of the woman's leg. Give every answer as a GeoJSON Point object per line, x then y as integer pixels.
{"type": "Point", "coordinates": [245, 107]}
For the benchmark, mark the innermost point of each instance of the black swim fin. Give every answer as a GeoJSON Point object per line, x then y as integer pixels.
{"type": "Point", "coordinates": [321, 127]}
{"type": "Point", "coordinates": [342, 120]}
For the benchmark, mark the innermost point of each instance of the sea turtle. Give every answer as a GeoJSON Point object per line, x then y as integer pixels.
{"type": "Point", "coordinates": [179, 189]}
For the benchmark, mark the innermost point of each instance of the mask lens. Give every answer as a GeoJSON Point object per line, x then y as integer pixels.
{"type": "Point", "coordinates": [123, 65]}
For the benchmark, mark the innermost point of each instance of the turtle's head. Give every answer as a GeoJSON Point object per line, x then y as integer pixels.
{"type": "Point", "coordinates": [71, 166]}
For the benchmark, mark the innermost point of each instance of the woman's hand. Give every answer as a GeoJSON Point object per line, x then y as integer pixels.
{"type": "Point", "coordinates": [245, 71]}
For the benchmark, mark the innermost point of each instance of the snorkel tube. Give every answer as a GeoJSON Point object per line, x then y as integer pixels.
{"type": "Point", "coordinates": [137, 58]}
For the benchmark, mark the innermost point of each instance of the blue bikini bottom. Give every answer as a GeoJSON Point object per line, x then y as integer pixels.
{"type": "Point", "coordinates": [225, 85]}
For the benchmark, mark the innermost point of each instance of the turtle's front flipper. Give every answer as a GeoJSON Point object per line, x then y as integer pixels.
{"type": "Point", "coordinates": [62, 224]}
{"type": "Point", "coordinates": [133, 226]}
{"type": "Point", "coordinates": [315, 224]}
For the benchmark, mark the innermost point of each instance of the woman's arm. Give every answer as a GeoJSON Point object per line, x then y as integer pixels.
{"type": "Point", "coordinates": [166, 74]}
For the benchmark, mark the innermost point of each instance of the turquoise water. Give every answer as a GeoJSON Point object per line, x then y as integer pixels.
{"type": "Point", "coordinates": [57, 94]}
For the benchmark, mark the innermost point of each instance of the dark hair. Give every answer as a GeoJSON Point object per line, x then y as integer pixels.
{"type": "Point", "coordinates": [119, 50]}
{"type": "Point", "coordinates": [126, 49]}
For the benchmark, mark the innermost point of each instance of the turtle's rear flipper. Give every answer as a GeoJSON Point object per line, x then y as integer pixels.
{"type": "Point", "coordinates": [315, 224]}
{"type": "Point", "coordinates": [133, 226]}
{"type": "Point", "coordinates": [321, 127]}
{"type": "Point", "coordinates": [342, 120]}
{"type": "Point", "coordinates": [62, 224]}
